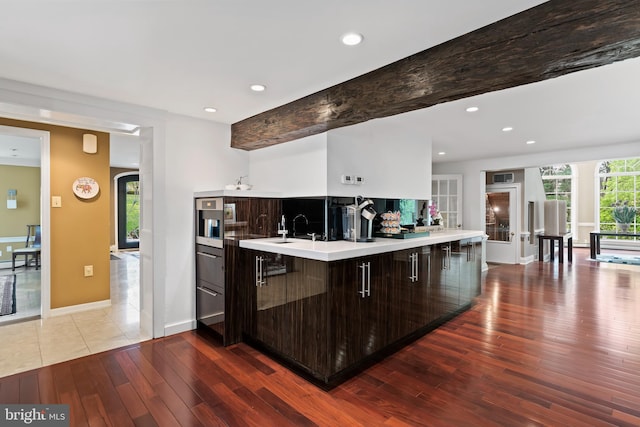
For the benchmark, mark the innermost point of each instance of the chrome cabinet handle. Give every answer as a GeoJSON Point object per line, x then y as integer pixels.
{"type": "Point", "coordinates": [446, 261]}
{"type": "Point", "coordinates": [257, 272]}
{"type": "Point", "coordinates": [411, 278]}
{"type": "Point", "coordinates": [207, 291]}
{"type": "Point", "coordinates": [362, 290]}
{"type": "Point", "coordinates": [207, 255]}
{"type": "Point", "coordinates": [414, 267]}
{"type": "Point", "coordinates": [260, 272]}
{"type": "Point", "coordinates": [369, 279]}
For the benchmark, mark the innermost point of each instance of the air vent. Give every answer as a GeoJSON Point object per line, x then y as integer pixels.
{"type": "Point", "coordinates": [499, 178]}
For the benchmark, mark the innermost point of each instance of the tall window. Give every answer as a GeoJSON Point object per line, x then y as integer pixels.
{"type": "Point", "coordinates": [619, 186]}
{"type": "Point", "coordinates": [557, 181]}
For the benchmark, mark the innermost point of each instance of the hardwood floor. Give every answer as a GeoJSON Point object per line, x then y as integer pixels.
{"type": "Point", "coordinates": [546, 344]}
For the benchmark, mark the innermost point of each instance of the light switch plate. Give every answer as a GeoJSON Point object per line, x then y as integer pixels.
{"type": "Point", "coordinates": [56, 201]}
{"type": "Point", "coordinates": [88, 270]}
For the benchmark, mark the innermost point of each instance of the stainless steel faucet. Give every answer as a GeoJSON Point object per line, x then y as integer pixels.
{"type": "Point", "coordinates": [282, 228]}
{"type": "Point", "coordinates": [306, 221]}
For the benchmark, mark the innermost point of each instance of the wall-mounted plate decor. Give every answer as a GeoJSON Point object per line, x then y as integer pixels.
{"type": "Point", "coordinates": [85, 188]}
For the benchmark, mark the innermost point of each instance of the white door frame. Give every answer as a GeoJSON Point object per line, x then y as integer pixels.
{"type": "Point", "coordinates": [22, 101]}
{"type": "Point", "coordinates": [507, 252]}
{"type": "Point", "coordinates": [45, 211]}
{"type": "Point", "coordinates": [115, 205]}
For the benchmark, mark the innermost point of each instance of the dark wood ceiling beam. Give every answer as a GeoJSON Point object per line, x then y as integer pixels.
{"type": "Point", "coordinates": [553, 39]}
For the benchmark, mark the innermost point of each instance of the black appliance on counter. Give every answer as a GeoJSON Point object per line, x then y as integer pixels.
{"type": "Point", "coordinates": [210, 283]}
{"type": "Point", "coordinates": [350, 218]}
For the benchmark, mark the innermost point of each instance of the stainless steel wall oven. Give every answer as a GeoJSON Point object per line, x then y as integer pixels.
{"type": "Point", "coordinates": [210, 222]}
{"type": "Point", "coordinates": [210, 283]}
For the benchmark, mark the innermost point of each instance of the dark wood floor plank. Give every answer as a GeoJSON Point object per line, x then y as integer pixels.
{"type": "Point", "coordinates": [10, 390]}
{"type": "Point", "coordinates": [68, 393]}
{"type": "Point", "coordinates": [46, 386]}
{"type": "Point", "coordinates": [206, 415]}
{"type": "Point", "coordinates": [545, 344]}
{"type": "Point", "coordinates": [110, 399]}
{"type": "Point", "coordinates": [250, 358]}
{"type": "Point", "coordinates": [132, 401]}
{"type": "Point", "coordinates": [213, 373]}
{"type": "Point", "coordinates": [113, 369]}
{"type": "Point", "coordinates": [157, 357]}
{"type": "Point", "coordinates": [95, 410]}
{"type": "Point", "coordinates": [29, 388]}
{"type": "Point", "coordinates": [190, 373]}
{"type": "Point", "coordinates": [173, 401]}
{"type": "Point", "coordinates": [287, 412]}
{"type": "Point", "coordinates": [145, 390]}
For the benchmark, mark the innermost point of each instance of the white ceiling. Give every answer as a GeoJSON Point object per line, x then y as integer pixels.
{"type": "Point", "coordinates": [183, 55]}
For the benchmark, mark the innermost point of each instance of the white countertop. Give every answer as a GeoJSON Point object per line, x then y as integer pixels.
{"type": "Point", "coordinates": [342, 249]}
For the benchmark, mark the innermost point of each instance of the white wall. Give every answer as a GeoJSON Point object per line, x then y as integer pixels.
{"type": "Point", "coordinates": [474, 172]}
{"type": "Point", "coordinates": [297, 168]}
{"type": "Point", "coordinates": [395, 163]}
{"type": "Point", "coordinates": [585, 209]}
{"type": "Point", "coordinates": [198, 158]}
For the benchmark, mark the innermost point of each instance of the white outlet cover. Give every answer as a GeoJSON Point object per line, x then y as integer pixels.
{"type": "Point", "coordinates": [346, 179]}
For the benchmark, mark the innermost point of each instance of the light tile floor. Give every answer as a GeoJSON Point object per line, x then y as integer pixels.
{"type": "Point", "coordinates": [34, 343]}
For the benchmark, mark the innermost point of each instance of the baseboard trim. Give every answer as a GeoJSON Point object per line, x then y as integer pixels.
{"type": "Point", "coordinates": [527, 260]}
{"type": "Point", "coordinates": [176, 328]}
{"type": "Point", "coordinates": [79, 307]}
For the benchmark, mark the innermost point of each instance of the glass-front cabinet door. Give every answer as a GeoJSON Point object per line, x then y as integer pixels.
{"type": "Point", "coordinates": [446, 194]}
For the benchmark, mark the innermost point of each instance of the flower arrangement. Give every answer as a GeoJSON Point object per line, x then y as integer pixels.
{"type": "Point", "coordinates": [623, 213]}
{"type": "Point", "coordinates": [435, 215]}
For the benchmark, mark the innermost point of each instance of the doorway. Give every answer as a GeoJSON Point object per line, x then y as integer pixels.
{"type": "Point", "coordinates": [32, 290]}
{"type": "Point", "coordinates": [128, 211]}
{"type": "Point", "coordinates": [502, 223]}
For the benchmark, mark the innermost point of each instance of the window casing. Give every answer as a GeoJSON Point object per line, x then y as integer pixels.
{"type": "Point", "coordinates": [618, 183]}
{"type": "Point", "coordinates": [558, 182]}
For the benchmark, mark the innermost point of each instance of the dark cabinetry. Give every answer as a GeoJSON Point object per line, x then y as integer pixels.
{"type": "Point", "coordinates": [445, 276]}
{"type": "Point", "coordinates": [288, 300]}
{"type": "Point", "coordinates": [330, 319]}
{"type": "Point", "coordinates": [409, 305]}
{"type": "Point", "coordinates": [455, 276]}
{"type": "Point", "coordinates": [470, 270]}
{"type": "Point", "coordinates": [250, 218]}
{"type": "Point", "coordinates": [210, 289]}
{"type": "Point", "coordinates": [360, 289]}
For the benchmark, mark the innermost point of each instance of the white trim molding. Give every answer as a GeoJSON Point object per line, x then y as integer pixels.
{"type": "Point", "coordinates": [80, 307]}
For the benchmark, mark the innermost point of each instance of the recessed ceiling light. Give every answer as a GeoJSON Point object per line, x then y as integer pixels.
{"type": "Point", "coordinates": [472, 109]}
{"type": "Point", "coordinates": [507, 129]}
{"type": "Point", "coordinates": [258, 88]}
{"type": "Point", "coordinates": [531, 142]}
{"type": "Point", "coordinates": [352, 39]}
{"type": "Point", "coordinates": [210, 109]}
{"type": "Point", "coordinates": [441, 153]}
